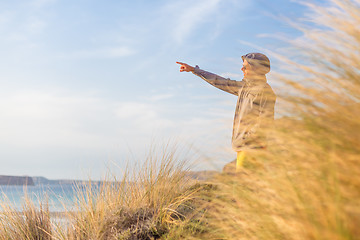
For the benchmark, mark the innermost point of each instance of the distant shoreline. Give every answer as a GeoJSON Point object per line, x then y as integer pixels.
{"type": "Point", "coordinates": [7, 180]}
{"type": "Point", "coordinates": [16, 180]}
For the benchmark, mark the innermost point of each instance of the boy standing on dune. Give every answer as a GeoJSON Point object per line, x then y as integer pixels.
{"type": "Point", "coordinates": [254, 111]}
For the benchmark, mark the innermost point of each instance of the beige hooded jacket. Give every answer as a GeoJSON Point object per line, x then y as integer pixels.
{"type": "Point", "coordinates": [254, 111]}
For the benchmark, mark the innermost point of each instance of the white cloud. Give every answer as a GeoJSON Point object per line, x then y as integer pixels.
{"type": "Point", "coordinates": [36, 123]}
{"type": "Point", "coordinates": [111, 52]}
{"type": "Point", "coordinates": [42, 3]}
{"type": "Point", "coordinates": [18, 25]}
{"type": "Point", "coordinates": [5, 18]}
{"type": "Point", "coordinates": [118, 52]}
{"type": "Point", "coordinates": [36, 119]}
{"type": "Point", "coordinates": [35, 25]}
{"type": "Point", "coordinates": [189, 15]}
{"type": "Point", "coordinates": [135, 110]}
{"type": "Point", "coordinates": [184, 18]}
{"type": "Point", "coordinates": [39, 119]}
{"type": "Point", "coordinates": [159, 97]}
{"type": "Point", "coordinates": [143, 117]}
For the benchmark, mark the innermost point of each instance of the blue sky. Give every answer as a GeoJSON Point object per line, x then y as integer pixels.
{"type": "Point", "coordinates": [85, 83]}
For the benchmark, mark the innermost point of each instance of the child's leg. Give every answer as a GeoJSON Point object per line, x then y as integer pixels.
{"type": "Point", "coordinates": [239, 160]}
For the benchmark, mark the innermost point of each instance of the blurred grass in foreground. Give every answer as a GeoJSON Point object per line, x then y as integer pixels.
{"type": "Point", "coordinates": [307, 184]}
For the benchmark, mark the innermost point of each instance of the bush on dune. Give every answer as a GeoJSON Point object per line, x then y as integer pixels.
{"type": "Point", "coordinates": [157, 200]}
{"type": "Point", "coordinates": [146, 204]}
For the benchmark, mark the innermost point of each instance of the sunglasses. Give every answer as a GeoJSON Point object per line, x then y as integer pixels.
{"type": "Point", "coordinates": [249, 55]}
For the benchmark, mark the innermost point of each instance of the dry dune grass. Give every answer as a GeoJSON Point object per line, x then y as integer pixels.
{"type": "Point", "coordinates": [154, 201]}
{"type": "Point", "coordinates": [32, 223]}
{"type": "Point", "coordinates": [145, 204]}
{"type": "Point", "coordinates": [307, 184]}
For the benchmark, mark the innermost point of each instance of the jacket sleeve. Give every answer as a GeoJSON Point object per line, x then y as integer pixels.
{"type": "Point", "coordinates": [224, 84]}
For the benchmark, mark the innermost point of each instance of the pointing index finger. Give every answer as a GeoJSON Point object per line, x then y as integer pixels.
{"type": "Point", "coordinates": [180, 63]}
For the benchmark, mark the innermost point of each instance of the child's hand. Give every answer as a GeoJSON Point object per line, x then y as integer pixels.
{"type": "Point", "coordinates": [185, 67]}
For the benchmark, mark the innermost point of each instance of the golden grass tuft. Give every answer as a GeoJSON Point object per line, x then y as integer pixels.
{"type": "Point", "coordinates": [145, 204]}
{"type": "Point", "coordinates": [31, 223]}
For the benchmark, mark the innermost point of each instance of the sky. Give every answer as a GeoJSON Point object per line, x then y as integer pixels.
{"type": "Point", "coordinates": [90, 84]}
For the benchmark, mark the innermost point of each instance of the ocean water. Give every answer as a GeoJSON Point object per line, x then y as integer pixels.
{"type": "Point", "coordinates": [59, 197]}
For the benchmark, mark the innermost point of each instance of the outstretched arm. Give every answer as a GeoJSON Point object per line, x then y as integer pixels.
{"type": "Point", "coordinates": [224, 84]}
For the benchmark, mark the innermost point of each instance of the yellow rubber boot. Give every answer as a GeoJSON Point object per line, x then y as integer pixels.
{"type": "Point", "coordinates": [240, 160]}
